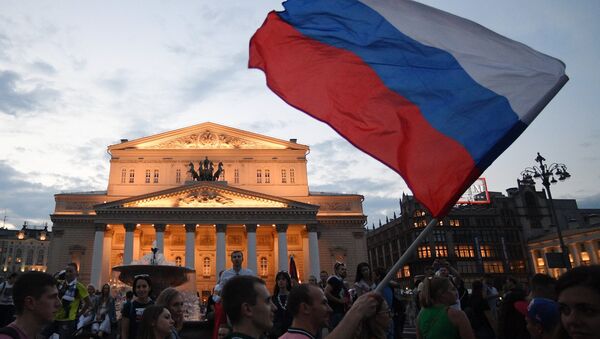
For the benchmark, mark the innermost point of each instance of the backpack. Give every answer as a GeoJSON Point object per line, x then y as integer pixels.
{"type": "Point", "coordinates": [9, 331]}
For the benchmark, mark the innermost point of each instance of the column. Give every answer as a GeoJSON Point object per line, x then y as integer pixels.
{"type": "Point", "coordinates": [589, 247]}
{"type": "Point", "coordinates": [313, 245]}
{"type": "Point", "coordinates": [107, 256]}
{"type": "Point", "coordinates": [97, 255]}
{"type": "Point", "coordinates": [282, 246]}
{"type": "Point", "coordinates": [251, 247]}
{"type": "Point", "coordinates": [575, 253]}
{"type": "Point", "coordinates": [221, 228]}
{"type": "Point", "coordinates": [128, 253]}
{"type": "Point", "coordinates": [190, 246]}
{"type": "Point", "coordinates": [160, 237]}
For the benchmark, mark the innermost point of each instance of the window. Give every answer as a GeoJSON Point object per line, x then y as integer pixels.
{"type": "Point", "coordinates": [487, 251]}
{"type": "Point", "coordinates": [40, 257]}
{"type": "Point", "coordinates": [292, 176]}
{"type": "Point", "coordinates": [283, 176]}
{"type": "Point", "coordinates": [441, 250]}
{"type": "Point", "coordinates": [236, 176]}
{"type": "Point", "coordinates": [264, 266]}
{"type": "Point", "coordinates": [29, 260]}
{"type": "Point", "coordinates": [156, 176]}
{"type": "Point", "coordinates": [454, 222]}
{"type": "Point", "coordinates": [131, 176]}
{"type": "Point", "coordinates": [178, 176]}
{"type": "Point", "coordinates": [464, 251]}
{"type": "Point", "coordinates": [424, 251]}
{"type": "Point", "coordinates": [267, 176]}
{"type": "Point", "coordinates": [419, 213]}
{"type": "Point", "coordinates": [420, 223]}
{"type": "Point", "coordinates": [123, 175]}
{"type": "Point", "coordinates": [258, 176]}
{"type": "Point", "coordinates": [517, 266]}
{"type": "Point", "coordinates": [147, 180]}
{"type": "Point", "coordinates": [206, 266]}
{"type": "Point", "coordinates": [466, 267]}
{"type": "Point", "coordinates": [406, 271]}
{"type": "Point", "coordinates": [493, 267]}
{"type": "Point", "coordinates": [439, 236]}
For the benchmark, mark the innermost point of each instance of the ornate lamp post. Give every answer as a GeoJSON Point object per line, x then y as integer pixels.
{"type": "Point", "coordinates": [547, 174]}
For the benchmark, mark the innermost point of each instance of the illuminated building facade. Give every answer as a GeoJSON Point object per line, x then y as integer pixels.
{"type": "Point", "coordinates": [24, 250]}
{"type": "Point", "coordinates": [260, 203]}
{"type": "Point", "coordinates": [505, 237]}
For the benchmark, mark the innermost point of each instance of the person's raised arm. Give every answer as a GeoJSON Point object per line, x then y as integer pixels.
{"type": "Point", "coordinates": [364, 307]}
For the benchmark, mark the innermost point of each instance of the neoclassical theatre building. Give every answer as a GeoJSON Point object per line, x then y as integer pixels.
{"type": "Point", "coordinates": [257, 200]}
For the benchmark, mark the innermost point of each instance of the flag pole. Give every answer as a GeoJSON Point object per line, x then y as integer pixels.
{"type": "Point", "coordinates": [409, 252]}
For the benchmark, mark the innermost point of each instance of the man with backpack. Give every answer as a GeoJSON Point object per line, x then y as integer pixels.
{"type": "Point", "coordinates": [7, 306]}
{"type": "Point", "coordinates": [36, 302]}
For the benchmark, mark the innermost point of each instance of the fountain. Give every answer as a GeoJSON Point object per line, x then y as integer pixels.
{"type": "Point", "coordinates": [163, 274]}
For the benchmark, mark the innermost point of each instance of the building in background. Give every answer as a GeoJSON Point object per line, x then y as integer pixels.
{"type": "Point", "coordinates": [24, 250]}
{"type": "Point", "coordinates": [504, 235]}
{"type": "Point", "coordinates": [260, 204]}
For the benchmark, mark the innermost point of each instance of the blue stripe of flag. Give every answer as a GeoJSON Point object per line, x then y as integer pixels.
{"type": "Point", "coordinates": [431, 78]}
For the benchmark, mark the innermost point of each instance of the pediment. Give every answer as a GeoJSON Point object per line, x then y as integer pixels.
{"type": "Point", "coordinates": [205, 195]}
{"type": "Point", "coordinates": [207, 136]}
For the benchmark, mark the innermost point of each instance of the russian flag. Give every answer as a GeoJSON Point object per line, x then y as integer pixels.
{"type": "Point", "coordinates": [433, 96]}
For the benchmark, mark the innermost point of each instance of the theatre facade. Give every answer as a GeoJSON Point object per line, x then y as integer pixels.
{"type": "Point", "coordinates": [199, 193]}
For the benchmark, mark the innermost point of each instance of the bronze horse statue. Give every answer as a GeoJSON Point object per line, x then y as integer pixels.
{"type": "Point", "coordinates": [193, 172]}
{"type": "Point", "coordinates": [218, 172]}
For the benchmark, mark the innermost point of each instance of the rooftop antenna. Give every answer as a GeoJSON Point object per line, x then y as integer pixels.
{"type": "Point", "coordinates": [4, 220]}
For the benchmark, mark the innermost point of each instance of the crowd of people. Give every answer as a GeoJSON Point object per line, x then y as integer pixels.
{"type": "Point", "coordinates": [36, 304]}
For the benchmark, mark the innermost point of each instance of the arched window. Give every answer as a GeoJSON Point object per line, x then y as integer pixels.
{"type": "Point", "coordinates": [264, 266]}
{"type": "Point", "coordinates": [206, 266]}
{"type": "Point", "coordinates": [178, 176]}
{"type": "Point", "coordinates": [19, 255]}
{"type": "Point", "coordinates": [40, 257]}
{"type": "Point", "coordinates": [123, 175]}
{"type": "Point", "coordinates": [178, 261]}
{"type": "Point", "coordinates": [267, 176]}
{"type": "Point", "coordinates": [29, 260]}
{"type": "Point", "coordinates": [147, 180]}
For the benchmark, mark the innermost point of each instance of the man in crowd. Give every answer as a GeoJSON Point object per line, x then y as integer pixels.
{"type": "Point", "coordinates": [337, 294]}
{"type": "Point", "coordinates": [36, 302]}
{"type": "Point", "coordinates": [72, 294]}
{"type": "Point", "coordinates": [248, 305]}
{"type": "Point", "coordinates": [237, 258]}
{"type": "Point", "coordinates": [491, 294]}
{"type": "Point", "coordinates": [7, 306]}
{"type": "Point", "coordinates": [311, 311]}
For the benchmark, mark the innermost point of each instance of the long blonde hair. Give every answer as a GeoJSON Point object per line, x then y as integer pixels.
{"type": "Point", "coordinates": [433, 287]}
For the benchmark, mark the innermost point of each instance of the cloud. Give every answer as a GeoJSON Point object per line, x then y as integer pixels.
{"type": "Point", "coordinates": [117, 83]}
{"type": "Point", "coordinates": [21, 199]}
{"type": "Point", "coordinates": [592, 201]}
{"type": "Point", "coordinates": [15, 99]}
{"type": "Point", "coordinates": [43, 67]}
{"type": "Point", "coordinates": [4, 46]}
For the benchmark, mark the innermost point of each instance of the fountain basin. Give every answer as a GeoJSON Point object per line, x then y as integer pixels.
{"type": "Point", "coordinates": [162, 276]}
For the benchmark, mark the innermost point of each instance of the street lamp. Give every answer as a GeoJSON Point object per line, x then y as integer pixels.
{"type": "Point", "coordinates": [548, 174]}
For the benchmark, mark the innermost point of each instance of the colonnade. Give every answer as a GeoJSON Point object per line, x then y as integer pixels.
{"type": "Point", "coordinates": [190, 247]}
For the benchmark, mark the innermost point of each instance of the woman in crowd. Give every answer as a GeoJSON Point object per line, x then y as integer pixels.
{"type": "Point", "coordinates": [132, 312]}
{"type": "Point", "coordinates": [172, 299]}
{"type": "Point", "coordinates": [437, 319]}
{"type": "Point", "coordinates": [482, 321]}
{"type": "Point", "coordinates": [376, 326]}
{"type": "Point", "coordinates": [104, 312]}
{"type": "Point", "coordinates": [579, 301]}
{"type": "Point", "coordinates": [363, 282]}
{"type": "Point", "coordinates": [283, 317]}
{"type": "Point", "coordinates": [156, 323]}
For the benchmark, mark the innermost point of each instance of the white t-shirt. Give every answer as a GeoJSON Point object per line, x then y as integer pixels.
{"type": "Point", "coordinates": [230, 273]}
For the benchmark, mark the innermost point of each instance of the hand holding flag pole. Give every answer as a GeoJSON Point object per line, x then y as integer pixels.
{"type": "Point", "coordinates": [407, 254]}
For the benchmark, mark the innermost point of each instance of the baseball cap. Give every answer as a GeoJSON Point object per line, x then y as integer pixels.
{"type": "Point", "coordinates": [544, 312]}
